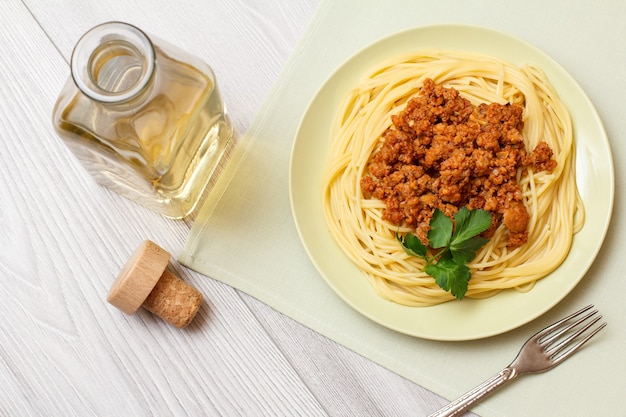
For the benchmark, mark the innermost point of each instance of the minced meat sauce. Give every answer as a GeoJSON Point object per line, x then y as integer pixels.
{"type": "Point", "coordinates": [443, 152]}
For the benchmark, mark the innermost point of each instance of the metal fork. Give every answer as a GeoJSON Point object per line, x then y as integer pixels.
{"type": "Point", "coordinates": [541, 352]}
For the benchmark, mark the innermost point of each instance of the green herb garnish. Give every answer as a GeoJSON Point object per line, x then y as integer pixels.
{"type": "Point", "coordinates": [454, 245]}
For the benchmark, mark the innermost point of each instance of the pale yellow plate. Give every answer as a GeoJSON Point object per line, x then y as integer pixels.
{"type": "Point", "coordinates": [467, 319]}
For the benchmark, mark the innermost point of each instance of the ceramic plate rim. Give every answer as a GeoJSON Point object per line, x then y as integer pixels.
{"type": "Point", "coordinates": [468, 319]}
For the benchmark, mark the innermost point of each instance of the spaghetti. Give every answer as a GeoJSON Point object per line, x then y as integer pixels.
{"type": "Point", "coordinates": [356, 222]}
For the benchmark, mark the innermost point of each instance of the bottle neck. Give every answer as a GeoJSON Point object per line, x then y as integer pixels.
{"type": "Point", "coordinates": [113, 62]}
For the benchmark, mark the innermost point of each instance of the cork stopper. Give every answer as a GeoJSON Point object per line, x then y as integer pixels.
{"type": "Point", "coordinates": [144, 281]}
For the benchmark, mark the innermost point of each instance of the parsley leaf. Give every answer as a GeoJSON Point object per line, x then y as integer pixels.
{"type": "Point", "coordinates": [470, 223]}
{"type": "Point", "coordinates": [457, 244]}
{"type": "Point", "coordinates": [440, 230]}
{"type": "Point", "coordinates": [465, 251]}
{"type": "Point", "coordinates": [450, 275]}
{"type": "Point", "coordinates": [412, 245]}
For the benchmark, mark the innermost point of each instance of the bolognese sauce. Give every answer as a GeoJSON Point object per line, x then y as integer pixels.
{"type": "Point", "coordinates": [442, 152]}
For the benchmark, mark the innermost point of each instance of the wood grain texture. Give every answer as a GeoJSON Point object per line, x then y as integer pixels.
{"type": "Point", "coordinates": [63, 349]}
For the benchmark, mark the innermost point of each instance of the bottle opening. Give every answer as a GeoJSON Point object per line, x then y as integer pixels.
{"type": "Point", "coordinates": [116, 67]}
{"type": "Point", "coordinates": [113, 62]}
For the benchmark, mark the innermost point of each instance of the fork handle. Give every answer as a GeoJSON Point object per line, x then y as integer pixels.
{"type": "Point", "coordinates": [471, 398]}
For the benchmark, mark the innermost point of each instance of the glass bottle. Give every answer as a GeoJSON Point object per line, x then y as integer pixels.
{"type": "Point", "coordinates": [143, 117]}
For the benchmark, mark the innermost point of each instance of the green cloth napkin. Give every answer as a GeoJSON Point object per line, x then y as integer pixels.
{"type": "Point", "coordinates": [245, 236]}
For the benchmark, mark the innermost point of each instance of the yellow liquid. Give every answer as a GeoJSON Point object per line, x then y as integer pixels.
{"type": "Point", "coordinates": [159, 148]}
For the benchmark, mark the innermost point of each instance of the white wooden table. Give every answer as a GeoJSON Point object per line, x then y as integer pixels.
{"type": "Point", "coordinates": [63, 350]}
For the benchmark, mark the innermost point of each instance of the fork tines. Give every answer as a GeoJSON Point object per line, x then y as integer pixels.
{"type": "Point", "coordinates": [576, 330]}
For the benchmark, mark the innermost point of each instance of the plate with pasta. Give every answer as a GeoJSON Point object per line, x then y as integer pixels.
{"type": "Point", "coordinates": [436, 120]}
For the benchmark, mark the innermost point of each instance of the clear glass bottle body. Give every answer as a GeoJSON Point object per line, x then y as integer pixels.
{"type": "Point", "coordinates": [144, 118]}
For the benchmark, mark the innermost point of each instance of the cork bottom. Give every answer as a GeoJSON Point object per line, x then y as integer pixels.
{"type": "Point", "coordinates": [174, 300]}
